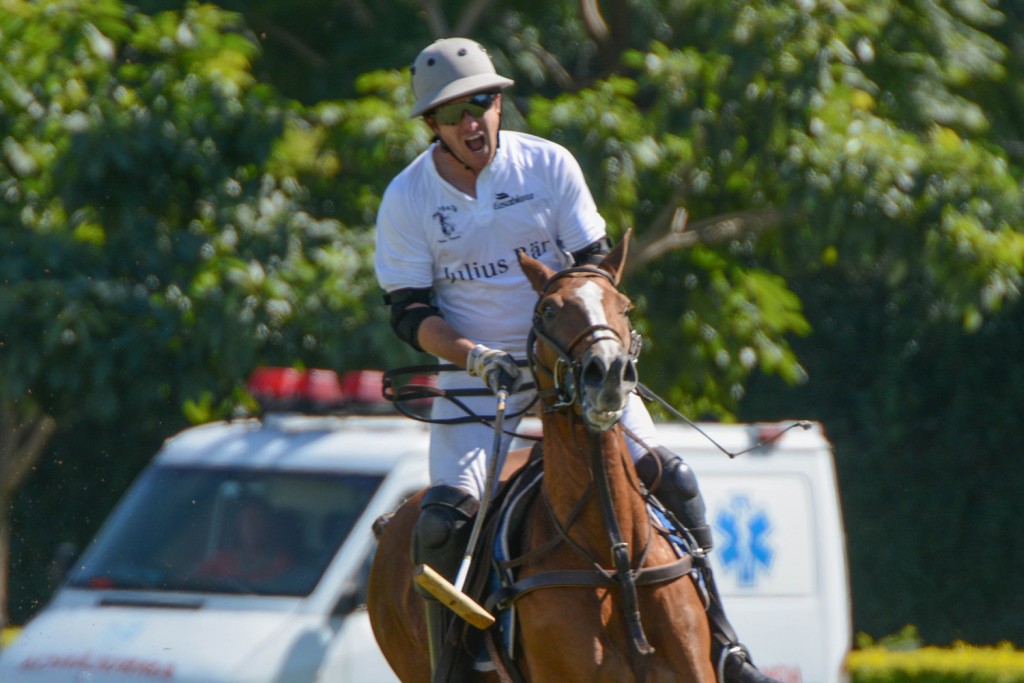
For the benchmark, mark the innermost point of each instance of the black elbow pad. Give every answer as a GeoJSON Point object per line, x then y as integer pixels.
{"type": "Point", "coordinates": [406, 317]}
{"type": "Point", "coordinates": [593, 253]}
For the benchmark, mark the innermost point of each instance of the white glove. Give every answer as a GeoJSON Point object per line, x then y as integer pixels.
{"type": "Point", "coordinates": [495, 368]}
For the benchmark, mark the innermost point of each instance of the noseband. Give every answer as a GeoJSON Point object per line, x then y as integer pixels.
{"type": "Point", "coordinates": [566, 375]}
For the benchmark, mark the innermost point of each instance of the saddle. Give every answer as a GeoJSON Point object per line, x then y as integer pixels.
{"type": "Point", "coordinates": [496, 585]}
{"type": "Point", "coordinates": [467, 648]}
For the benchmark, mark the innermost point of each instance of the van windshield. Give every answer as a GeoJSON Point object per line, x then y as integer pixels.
{"type": "Point", "coordinates": [225, 531]}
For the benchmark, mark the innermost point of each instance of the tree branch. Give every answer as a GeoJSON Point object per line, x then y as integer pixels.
{"type": "Point", "coordinates": [434, 15]}
{"type": "Point", "coordinates": [714, 230]}
{"type": "Point", "coordinates": [23, 434]}
{"type": "Point", "coordinates": [22, 438]}
{"type": "Point", "coordinates": [593, 21]}
{"type": "Point", "coordinates": [291, 41]}
{"type": "Point", "coordinates": [555, 69]}
{"type": "Point", "coordinates": [361, 13]}
{"type": "Point", "coordinates": [470, 16]}
{"type": "Point", "coordinates": [611, 35]}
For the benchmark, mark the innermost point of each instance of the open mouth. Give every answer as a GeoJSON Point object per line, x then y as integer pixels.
{"type": "Point", "coordinates": [602, 420]}
{"type": "Point", "coordinates": [476, 143]}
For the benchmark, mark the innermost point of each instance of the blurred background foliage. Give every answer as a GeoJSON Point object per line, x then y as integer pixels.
{"type": "Point", "coordinates": [826, 199]}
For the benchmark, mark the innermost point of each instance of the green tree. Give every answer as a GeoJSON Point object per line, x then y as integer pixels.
{"type": "Point", "coordinates": [767, 124]}
{"type": "Point", "coordinates": [156, 240]}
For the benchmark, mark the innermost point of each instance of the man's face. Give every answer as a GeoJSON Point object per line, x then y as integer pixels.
{"type": "Point", "coordinates": [469, 126]}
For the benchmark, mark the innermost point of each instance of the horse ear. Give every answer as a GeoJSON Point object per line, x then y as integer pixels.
{"type": "Point", "coordinates": [616, 258]}
{"type": "Point", "coordinates": [536, 272]}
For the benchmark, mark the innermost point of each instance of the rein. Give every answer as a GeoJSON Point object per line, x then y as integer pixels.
{"type": "Point", "coordinates": [417, 393]}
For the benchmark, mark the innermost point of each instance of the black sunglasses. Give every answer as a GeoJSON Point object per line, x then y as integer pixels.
{"type": "Point", "coordinates": [451, 114]}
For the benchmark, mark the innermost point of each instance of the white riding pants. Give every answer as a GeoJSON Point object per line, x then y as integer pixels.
{"type": "Point", "coordinates": [459, 453]}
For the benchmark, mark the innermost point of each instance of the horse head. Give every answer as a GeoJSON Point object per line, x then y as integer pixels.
{"type": "Point", "coordinates": [582, 348]}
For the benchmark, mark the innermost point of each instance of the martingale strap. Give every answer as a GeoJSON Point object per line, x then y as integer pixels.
{"type": "Point", "coordinates": [625, 575]}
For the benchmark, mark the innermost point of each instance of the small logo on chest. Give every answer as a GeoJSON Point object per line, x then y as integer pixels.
{"type": "Point", "coordinates": [449, 229]}
{"type": "Point", "coordinates": [504, 200]}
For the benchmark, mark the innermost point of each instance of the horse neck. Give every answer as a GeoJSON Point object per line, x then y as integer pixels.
{"type": "Point", "coordinates": [568, 477]}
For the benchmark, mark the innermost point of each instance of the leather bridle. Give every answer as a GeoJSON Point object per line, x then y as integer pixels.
{"type": "Point", "coordinates": [566, 375]}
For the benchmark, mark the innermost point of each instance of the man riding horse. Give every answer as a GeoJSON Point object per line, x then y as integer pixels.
{"type": "Point", "coordinates": [448, 229]}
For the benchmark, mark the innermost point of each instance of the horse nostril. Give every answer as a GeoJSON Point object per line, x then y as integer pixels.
{"type": "Point", "coordinates": [629, 375]}
{"type": "Point", "coordinates": [623, 369]}
{"type": "Point", "coordinates": [594, 372]}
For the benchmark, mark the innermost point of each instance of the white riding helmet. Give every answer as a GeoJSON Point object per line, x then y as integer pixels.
{"type": "Point", "coordinates": [451, 68]}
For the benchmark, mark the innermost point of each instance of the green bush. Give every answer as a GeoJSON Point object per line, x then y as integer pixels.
{"type": "Point", "coordinates": [960, 663]}
{"type": "Point", "coordinates": [7, 636]}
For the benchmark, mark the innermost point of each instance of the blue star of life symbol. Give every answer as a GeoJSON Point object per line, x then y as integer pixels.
{"type": "Point", "coordinates": [746, 548]}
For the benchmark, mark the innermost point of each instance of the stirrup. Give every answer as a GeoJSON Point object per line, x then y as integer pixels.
{"type": "Point", "coordinates": [723, 658]}
{"type": "Point", "coordinates": [737, 659]}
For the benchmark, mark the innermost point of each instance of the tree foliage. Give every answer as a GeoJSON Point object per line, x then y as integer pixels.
{"type": "Point", "coordinates": [158, 241]}
{"type": "Point", "coordinates": [156, 229]}
{"type": "Point", "coordinates": [796, 118]}
{"type": "Point", "coordinates": [826, 196]}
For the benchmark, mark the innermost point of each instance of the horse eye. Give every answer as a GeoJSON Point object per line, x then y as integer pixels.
{"type": "Point", "coordinates": [548, 310]}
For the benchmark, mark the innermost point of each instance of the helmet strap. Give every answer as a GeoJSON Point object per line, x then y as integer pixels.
{"type": "Point", "coordinates": [448, 150]}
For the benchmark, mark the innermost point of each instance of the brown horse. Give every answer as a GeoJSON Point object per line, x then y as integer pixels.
{"type": "Point", "coordinates": [638, 617]}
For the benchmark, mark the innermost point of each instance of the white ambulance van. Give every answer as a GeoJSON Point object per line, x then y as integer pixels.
{"type": "Point", "coordinates": [165, 591]}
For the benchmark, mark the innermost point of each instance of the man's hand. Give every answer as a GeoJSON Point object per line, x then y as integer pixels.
{"type": "Point", "coordinates": [496, 368]}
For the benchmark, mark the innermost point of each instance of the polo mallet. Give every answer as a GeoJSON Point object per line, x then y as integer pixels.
{"type": "Point", "coordinates": [485, 497]}
{"type": "Point", "coordinates": [451, 594]}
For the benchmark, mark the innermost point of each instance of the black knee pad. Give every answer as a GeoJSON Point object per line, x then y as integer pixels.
{"type": "Point", "coordinates": [677, 490]}
{"type": "Point", "coordinates": [676, 474]}
{"type": "Point", "coordinates": [443, 528]}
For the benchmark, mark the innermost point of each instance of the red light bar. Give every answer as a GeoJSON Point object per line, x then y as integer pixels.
{"type": "Point", "coordinates": [315, 391]}
{"type": "Point", "coordinates": [321, 386]}
{"type": "Point", "coordinates": [425, 380]}
{"type": "Point", "coordinates": [363, 386]}
{"type": "Point", "coordinates": [769, 434]}
{"type": "Point", "coordinates": [274, 383]}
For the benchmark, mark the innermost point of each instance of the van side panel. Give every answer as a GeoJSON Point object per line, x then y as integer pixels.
{"type": "Point", "coordinates": [779, 558]}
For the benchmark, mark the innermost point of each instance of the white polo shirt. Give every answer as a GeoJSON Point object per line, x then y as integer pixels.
{"type": "Point", "coordinates": [429, 234]}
